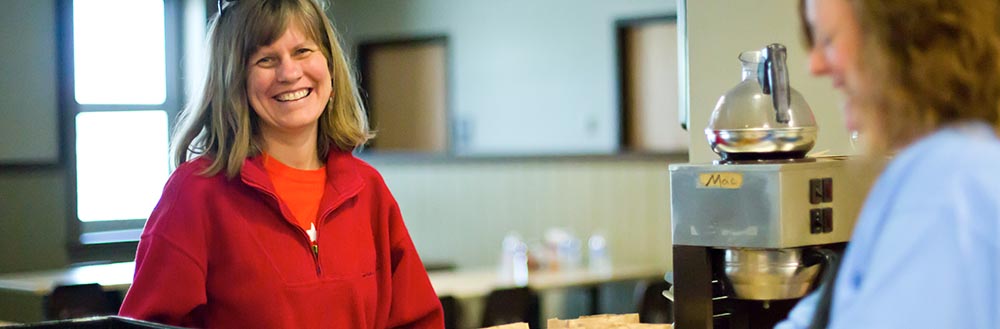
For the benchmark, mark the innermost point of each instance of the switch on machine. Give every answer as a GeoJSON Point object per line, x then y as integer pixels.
{"type": "Point", "coordinates": [820, 220]}
{"type": "Point", "coordinates": [815, 190]}
{"type": "Point", "coordinates": [827, 189]}
{"type": "Point", "coordinates": [820, 190]}
{"type": "Point", "coordinates": [827, 214]}
{"type": "Point", "coordinates": [816, 221]}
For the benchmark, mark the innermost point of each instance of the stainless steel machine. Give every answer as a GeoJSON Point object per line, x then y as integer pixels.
{"type": "Point", "coordinates": [752, 232]}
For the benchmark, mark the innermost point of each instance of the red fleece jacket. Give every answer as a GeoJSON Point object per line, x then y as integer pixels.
{"type": "Point", "coordinates": [225, 253]}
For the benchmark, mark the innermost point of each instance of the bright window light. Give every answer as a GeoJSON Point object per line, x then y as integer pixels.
{"type": "Point", "coordinates": [118, 49]}
{"type": "Point", "coordinates": [121, 163]}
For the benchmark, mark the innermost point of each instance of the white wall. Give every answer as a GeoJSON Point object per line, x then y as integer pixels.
{"type": "Point", "coordinates": [717, 31]}
{"type": "Point", "coordinates": [526, 76]}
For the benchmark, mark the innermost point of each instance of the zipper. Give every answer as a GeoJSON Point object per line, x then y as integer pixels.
{"type": "Point", "coordinates": [315, 252]}
{"type": "Point", "coordinates": [313, 245]}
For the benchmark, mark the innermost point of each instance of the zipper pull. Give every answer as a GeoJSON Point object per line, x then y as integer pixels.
{"type": "Point", "coordinates": [312, 239]}
{"type": "Point", "coordinates": [315, 250]}
{"type": "Point", "coordinates": [315, 246]}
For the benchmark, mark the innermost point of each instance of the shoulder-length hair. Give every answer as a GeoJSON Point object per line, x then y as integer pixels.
{"type": "Point", "coordinates": [929, 63]}
{"type": "Point", "coordinates": [219, 123]}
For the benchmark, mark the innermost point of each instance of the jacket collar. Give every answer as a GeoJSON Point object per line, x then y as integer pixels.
{"type": "Point", "coordinates": [343, 180]}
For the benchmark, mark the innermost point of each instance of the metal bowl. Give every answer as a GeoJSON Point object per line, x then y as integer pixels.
{"type": "Point", "coordinates": [761, 143]}
{"type": "Point", "coordinates": [768, 274]}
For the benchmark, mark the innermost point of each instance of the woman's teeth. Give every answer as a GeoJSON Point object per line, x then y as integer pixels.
{"type": "Point", "coordinates": [291, 96]}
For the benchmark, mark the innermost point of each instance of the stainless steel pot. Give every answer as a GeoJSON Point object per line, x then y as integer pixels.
{"type": "Point", "coordinates": [762, 143]}
{"type": "Point", "coordinates": [762, 117]}
{"type": "Point", "coordinates": [768, 274]}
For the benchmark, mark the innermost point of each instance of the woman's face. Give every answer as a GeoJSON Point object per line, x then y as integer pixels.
{"type": "Point", "coordinates": [289, 84]}
{"type": "Point", "coordinates": [836, 44]}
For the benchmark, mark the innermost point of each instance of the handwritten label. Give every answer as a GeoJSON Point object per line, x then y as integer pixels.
{"type": "Point", "coordinates": [727, 180]}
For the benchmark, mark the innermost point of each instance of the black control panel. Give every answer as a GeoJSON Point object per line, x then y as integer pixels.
{"type": "Point", "coordinates": [820, 219]}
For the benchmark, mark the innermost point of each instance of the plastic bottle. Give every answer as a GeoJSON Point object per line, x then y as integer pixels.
{"type": "Point", "coordinates": [514, 261]}
{"type": "Point", "coordinates": [598, 258]}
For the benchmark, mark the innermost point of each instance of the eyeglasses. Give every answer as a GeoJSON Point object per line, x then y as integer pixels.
{"type": "Point", "coordinates": [220, 5]}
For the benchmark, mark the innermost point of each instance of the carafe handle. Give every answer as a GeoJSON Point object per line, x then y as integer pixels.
{"type": "Point", "coordinates": [772, 74]}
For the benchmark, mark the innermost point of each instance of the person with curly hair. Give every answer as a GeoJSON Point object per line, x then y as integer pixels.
{"type": "Point", "coordinates": [921, 80]}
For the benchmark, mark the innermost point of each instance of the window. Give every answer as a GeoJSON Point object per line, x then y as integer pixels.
{"type": "Point", "coordinates": [123, 86]}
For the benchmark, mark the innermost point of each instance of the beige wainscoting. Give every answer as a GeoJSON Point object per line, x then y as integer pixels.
{"type": "Point", "coordinates": [459, 211]}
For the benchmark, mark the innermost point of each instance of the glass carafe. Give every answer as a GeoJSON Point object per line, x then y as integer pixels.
{"type": "Point", "coordinates": [762, 117]}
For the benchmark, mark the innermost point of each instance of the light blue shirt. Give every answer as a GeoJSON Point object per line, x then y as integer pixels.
{"type": "Point", "coordinates": [925, 252]}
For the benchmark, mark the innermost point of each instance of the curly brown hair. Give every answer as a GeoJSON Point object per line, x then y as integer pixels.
{"type": "Point", "coordinates": [930, 63]}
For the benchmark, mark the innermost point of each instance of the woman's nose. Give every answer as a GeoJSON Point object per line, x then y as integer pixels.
{"type": "Point", "coordinates": [817, 63]}
{"type": "Point", "coordinates": [289, 71]}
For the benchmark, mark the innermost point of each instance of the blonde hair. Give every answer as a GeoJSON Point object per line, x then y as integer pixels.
{"type": "Point", "coordinates": [218, 122]}
{"type": "Point", "coordinates": [929, 63]}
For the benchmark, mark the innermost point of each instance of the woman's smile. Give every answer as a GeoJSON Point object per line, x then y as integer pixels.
{"type": "Point", "coordinates": [289, 84]}
{"type": "Point", "coordinates": [293, 95]}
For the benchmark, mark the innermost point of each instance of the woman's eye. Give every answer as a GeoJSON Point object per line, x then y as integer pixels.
{"type": "Point", "coordinates": [303, 51]}
{"type": "Point", "coordinates": [826, 41]}
{"type": "Point", "coordinates": [265, 61]}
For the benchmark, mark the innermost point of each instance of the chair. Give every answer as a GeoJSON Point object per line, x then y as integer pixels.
{"type": "Point", "coordinates": [452, 312]}
{"type": "Point", "coordinates": [653, 306]}
{"type": "Point", "coordinates": [82, 300]}
{"type": "Point", "coordinates": [504, 306]}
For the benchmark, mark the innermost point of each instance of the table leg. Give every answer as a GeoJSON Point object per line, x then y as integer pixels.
{"type": "Point", "coordinates": [595, 299]}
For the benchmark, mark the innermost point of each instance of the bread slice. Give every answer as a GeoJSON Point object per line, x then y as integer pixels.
{"type": "Point", "coordinates": [605, 321]}
{"type": "Point", "coordinates": [518, 325]}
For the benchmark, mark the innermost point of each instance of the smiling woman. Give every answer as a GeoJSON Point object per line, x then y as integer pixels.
{"type": "Point", "coordinates": [269, 220]}
{"type": "Point", "coordinates": [923, 82]}
{"type": "Point", "coordinates": [289, 86]}
{"type": "Point", "coordinates": [274, 44]}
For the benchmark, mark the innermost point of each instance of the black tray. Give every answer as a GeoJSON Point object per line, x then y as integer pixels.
{"type": "Point", "coordinates": [100, 322]}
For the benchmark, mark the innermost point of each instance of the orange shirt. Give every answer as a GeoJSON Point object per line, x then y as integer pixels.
{"type": "Point", "coordinates": [300, 190]}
